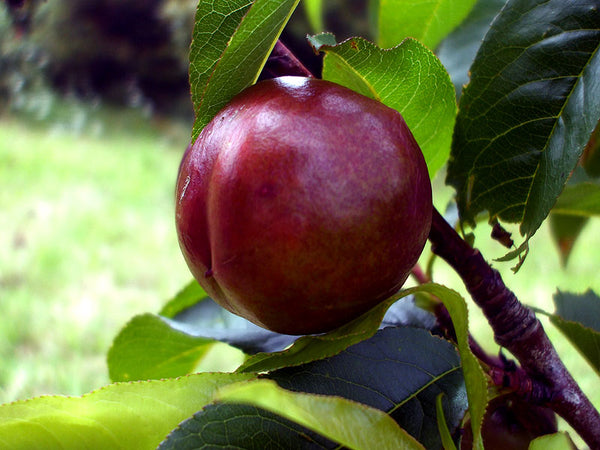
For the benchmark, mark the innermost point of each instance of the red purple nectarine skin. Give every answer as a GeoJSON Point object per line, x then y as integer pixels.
{"type": "Point", "coordinates": [302, 205]}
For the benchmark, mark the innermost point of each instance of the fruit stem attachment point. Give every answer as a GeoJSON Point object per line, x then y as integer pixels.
{"type": "Point", "coordinates": [282, 62]}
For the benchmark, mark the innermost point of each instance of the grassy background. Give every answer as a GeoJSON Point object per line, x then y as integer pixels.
{"type": "Point", "coordinates": [87, 240]}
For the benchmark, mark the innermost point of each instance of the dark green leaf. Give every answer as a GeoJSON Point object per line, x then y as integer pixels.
{"type": "Point", "coordinates": [582, 308]}
{"type": "Point", "coordinates": [209, 320]}
{"type": "Point", "coordinates": [578, 317]}
{"type": "Point", "coordinates": [226, 425]}
{"type": "Point", "coordinates": [352, 424]}
{"type": "Point", "coordinates": [408, 78]}
{"type": "Point", "coordinates": [458, 50]}
{"type": "Point", "coordinates": [591, 154]}
{"type": "Point", "coordinates": [565, 230]}
{"type": "Point", "coordinates": [230, 45]}
{"type": "Point", "coordinates": [528, 111]}
{"type": "Point", "coordinates": [425, 364]}
{"type": "Point", "coordinates": [119, 416]}
{"type": "Point", "coordinates": [587, 341]}
{"type": "Point", "coordinates": [428, 21]}
{"type": "Point", "coordinates": [191, 294]}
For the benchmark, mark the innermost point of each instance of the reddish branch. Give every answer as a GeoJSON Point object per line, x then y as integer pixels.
{"type": "Point", "coordinates": [283, 62]}
{"type": "Point", "coordinates": [545, 379]}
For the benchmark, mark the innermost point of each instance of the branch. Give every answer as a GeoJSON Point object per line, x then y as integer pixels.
{"type": "Point", "coordinates": [283, 62]}
{"type": "Point", "coordinates": [518, 330]}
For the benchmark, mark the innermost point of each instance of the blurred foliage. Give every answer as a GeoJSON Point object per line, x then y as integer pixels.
{"type": "Point", "coordinates": [132, 53]}
{"type": "Point", "coordinates": [21, 62]}
{"type": "Point", "coordinates": [126, 52]}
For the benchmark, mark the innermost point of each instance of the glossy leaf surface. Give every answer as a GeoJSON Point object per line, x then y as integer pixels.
{"type": "Point", "coordinates": [351, 424]}
{"type": "Point", "coordinates": [528, 110]}
{"type": "Point", "coordinates": [230, 45]}
{"type": "Point", "coordinates": [408, 78]}
{"type": "Point", "coordinates": [428, 21]}
{"type": "Point", "coordinates": [459, 48]}
{"type": "Point", "coordinates": [119, 416]}
{"type": "Point", "coordinates": [230, 425]}
{"type": "Point", "coordinates": [314, 347]}
{"type": "Point", "coordinates": [369, 373]}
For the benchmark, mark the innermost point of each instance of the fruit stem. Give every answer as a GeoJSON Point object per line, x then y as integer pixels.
{"type": "Point", "coordinates": [283, 62]}
{"type": "Point", "coordinates": [518, 330]}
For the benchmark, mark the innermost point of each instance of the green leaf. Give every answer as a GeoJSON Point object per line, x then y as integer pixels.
{"type": "Point", "coordinates": [408, 78]}
{"type": "Point", "coordinates": [528, 110]}
{"type": "Point", "coordinates": [578, 317]}
{"type": "Point", "coordinates": [565, 230]}
{"type": "Point", "coordinates": [236, 426]}
{"type": "Point", "coordinates": [426, 20]}
{"type": "Point", "coordinates": [556, 441]}
{"type": "Point", "coordinates": [583, 308]}
{"type": "Point", "coordinates": [191, 294]}
{"type": "Point", "coordinates": [475, 379]}
{"type": "Point", "coordinates": [426, 364]}
{"type": "Point", "coordinates": [351, 424]}
{"type": "Point", "coordinates": [313, 347]}
{"type": "Point", "coordinates": [458, 50]}
{"type": "Point", "coordinates": [314, 13]}
{"type": "Point", "coordinates": [119, 416]}
{"type": "Point", "coordinates": [310, 348]}
{"type": "Point", "coordinates": [149, 348]}
{"type": "Point", "coordinates": [581, 199]}
{"type": "Point", "coordinates": [230, 45]}
{"type": "Point", "coordinates": [447, 441]}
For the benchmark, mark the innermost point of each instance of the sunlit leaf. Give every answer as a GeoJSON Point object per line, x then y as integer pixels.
{"type": "Point", "coordinates": [528, 111]}
{"type": "Point", "coordinates": [425, 20]}
{"type": "Point", "coordinates": [556, 441]}
{"type": "Point", "coordinates": [408, 78]}
{"type": "Point", "coordinates": [475, 379]}
{"type": "Point", "coordinates": [230, 45]}
{"type": "Point", "coordinates": [240, 426]}
{"type": "Point", "coordinates": [351, 424]}
{"type": "Point", "coordinates": [314, 13]}
{"type": "Point", "coordinates": [189, 295]}
{"type": "Point", "coordinates": [148, 348]}
{"type": "Point", "coordinates": [119, 416]}
{"type": "Point", "coordinates": [447, 442]}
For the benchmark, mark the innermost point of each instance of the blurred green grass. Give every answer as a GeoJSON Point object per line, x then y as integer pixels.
{"type": "Point", "coordinates": [87, 240]}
